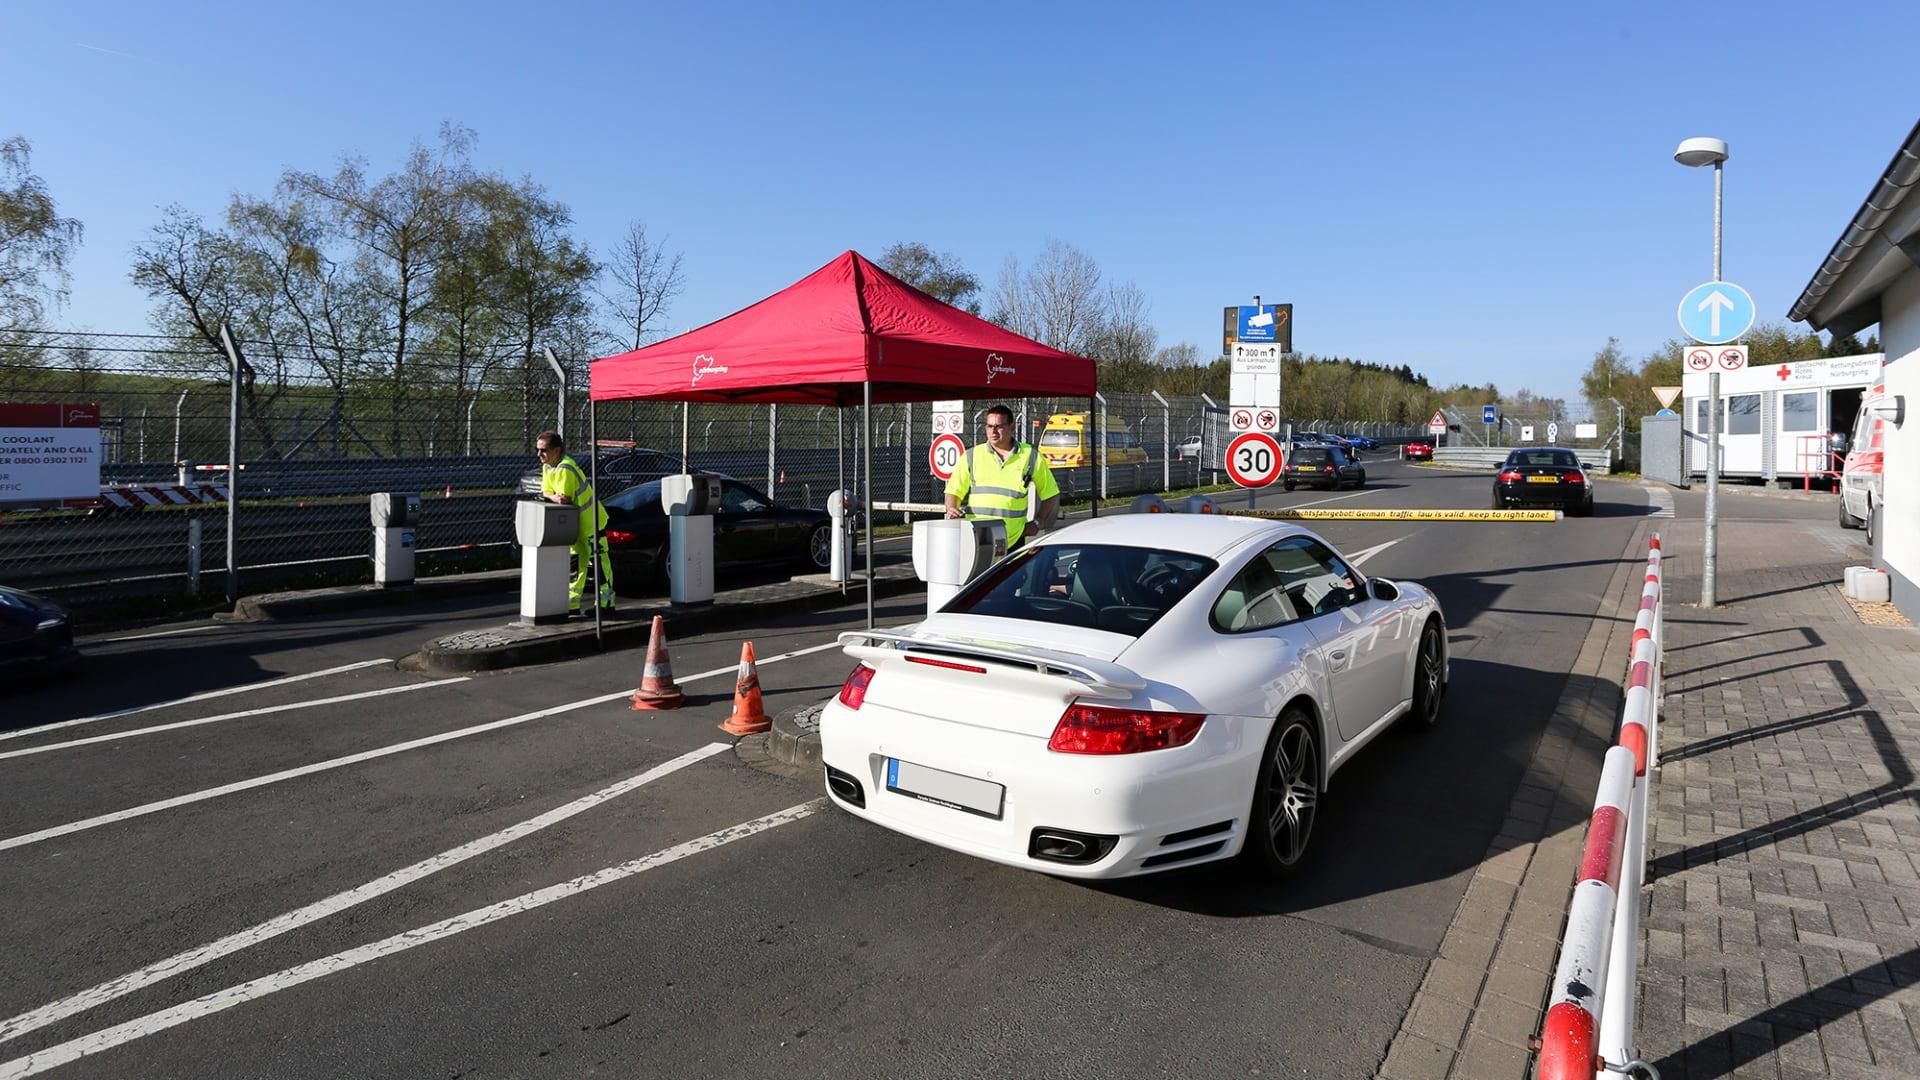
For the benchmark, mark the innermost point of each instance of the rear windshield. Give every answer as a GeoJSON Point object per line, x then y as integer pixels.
{"type": "Point", "coordinates": [1059, 438]}
{"type": "Point", "coordinates": [1557, 459]}
{"type": "Point", "coordinates": [1316, 455]}
{"type": "Point", "coordinates": [1124, 590]}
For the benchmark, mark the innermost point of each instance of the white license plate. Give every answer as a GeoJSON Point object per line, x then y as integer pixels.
{"type": "Point", "coordinates": [942, 788]}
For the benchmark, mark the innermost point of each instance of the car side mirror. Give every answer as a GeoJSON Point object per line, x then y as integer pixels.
{"type": "Point", "coordinates": [1383, 589]}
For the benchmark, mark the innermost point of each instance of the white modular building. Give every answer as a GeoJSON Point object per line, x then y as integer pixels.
{"type": "Point", "coordinates": [1872, 276]}
{"type": "Point", "coordinates": [1778, 421]}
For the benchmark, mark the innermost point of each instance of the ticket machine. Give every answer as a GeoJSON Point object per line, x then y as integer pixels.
{"type": "Point", "coordinates": [394, 516]}
{"type": "Point", "coordinates": [949, 553]}
{"type": "Point", "coordinates": [690, 500]}
{"type": "Point", "coordinates": [840, 510]}
{"type": "Point", "coordinates": [546, 532]}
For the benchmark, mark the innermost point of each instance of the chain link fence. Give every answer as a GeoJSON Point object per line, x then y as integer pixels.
{"type": "Point", "coordinates": [315, 431]}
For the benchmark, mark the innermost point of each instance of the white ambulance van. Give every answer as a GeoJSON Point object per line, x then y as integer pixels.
{"type": "Point", "coordinates": [1861, 487]}
{"type": "Point", "coordinates": [1779, 421]}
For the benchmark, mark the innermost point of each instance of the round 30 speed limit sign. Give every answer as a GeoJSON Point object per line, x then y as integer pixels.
{"type": "Point", "coordinates": [945, 455]}
{"type": "Point", "coordinates": [1253, 459]}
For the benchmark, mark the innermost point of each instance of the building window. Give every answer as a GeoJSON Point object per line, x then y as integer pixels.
{"type": "Point", "coordinates": [1800, 412]}
{"type": "Point", "coordinates": [1743, 414]}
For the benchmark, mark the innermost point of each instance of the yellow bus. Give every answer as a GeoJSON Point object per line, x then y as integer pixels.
{"type": "Point", "coordinates": [1065, 445]}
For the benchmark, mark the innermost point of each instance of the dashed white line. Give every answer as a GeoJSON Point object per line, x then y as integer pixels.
{"type": "Point", "coordinates": [366, 755]}
{"type": "Point", "coordinates": [263, 711]}
{"type": "Point", "coordinates": [192, 958]}
{"type": "Point", "coordinates": [223, 692]}
{"type": "Point", "coordinates": [161, 633]}
{"type": "Point", "coordinates": [153, 1023]}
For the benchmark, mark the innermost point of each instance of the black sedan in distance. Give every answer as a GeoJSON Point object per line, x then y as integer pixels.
{"type": "Point", "coordinates": [36, 634]}
{"type": "Point", "coordinates": [750, 531]}
{"type": "Point", "coordinates": [1325, 467]}
{"type": "Point", "coordinates": [1547, 477]}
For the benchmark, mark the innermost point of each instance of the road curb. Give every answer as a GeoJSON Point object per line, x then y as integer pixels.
{"type": "Point", "coordinates": [491, 650]}
{"type": "Point", "coordinates": [1484, 995]}
{"type": "Point", "coordinates": [343, 598]}
{"type": "Point", "coordinates": [1744, 491]}
{"type": "Point", "coordinates": [795, 738]}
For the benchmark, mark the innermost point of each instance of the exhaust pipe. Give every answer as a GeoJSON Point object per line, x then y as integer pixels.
{"type": "Point", "coordinates": [1066, 846]}
{"type": "Point", "coordinates": [845, 788]}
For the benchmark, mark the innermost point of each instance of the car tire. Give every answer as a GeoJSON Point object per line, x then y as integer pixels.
{"type": "Point", "coordinates": [820, 548]}
{"type": "Point", "coordinates": [1848, 521]}
{"type": "Point", "coordinates": [1286, 799]}
{"type": "Point", "coordinates": [1287, 486]}
{"type": "Point", "coordinates": [1429, 680]}
{"type": "Point", "coordinates": [1362, 482]}
{"type": "Point", "coordinates": [1585, 509]}
{"type": "Point", "coordinates": [1499, 503]}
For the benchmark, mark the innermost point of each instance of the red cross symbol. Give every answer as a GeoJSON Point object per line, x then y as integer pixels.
{"type": "Point", "coordinates": [1784, 372]}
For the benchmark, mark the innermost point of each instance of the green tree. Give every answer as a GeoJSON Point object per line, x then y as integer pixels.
{"type": "Point", "coordinates": [36, 243]}
{"type": "Point", "coordinates": [940, 276]}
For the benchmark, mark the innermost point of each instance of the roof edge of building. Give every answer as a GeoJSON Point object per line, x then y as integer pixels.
{"type": "Point", "coordinates": [1898, 179]}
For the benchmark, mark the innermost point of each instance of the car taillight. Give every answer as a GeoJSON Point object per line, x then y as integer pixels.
{"type": "Point", "coordinates": [1099, 729]}
{"type": "Point", "coordinates": [1574, 478]}
{"type": "Point", "coordinates": [853, 692]}
{"type": "Point", "coordinates": [1509, 476]}
{"type": "Point", "coordinates": [618, 536]}
{"type": "Point", "coordinates": [1326, 468]}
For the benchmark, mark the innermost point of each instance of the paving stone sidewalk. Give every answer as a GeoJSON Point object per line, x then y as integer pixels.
{"type": "Point", "coordinates": [1781, 928]}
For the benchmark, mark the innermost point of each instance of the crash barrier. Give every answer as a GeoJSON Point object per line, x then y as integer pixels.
{"type": "Point", "coordinates": [1592, 459]}
{"type": "Point", "coordinates": [1589, 1023]}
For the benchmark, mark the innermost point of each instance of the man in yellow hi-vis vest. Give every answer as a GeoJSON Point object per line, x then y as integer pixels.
{"type": "Point", "coordinates": [991, 481]}
{"type": "Point", "coordinates": [563, 481]}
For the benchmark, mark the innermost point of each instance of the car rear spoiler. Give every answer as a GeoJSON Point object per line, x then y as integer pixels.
{"type": "Point", "coordinates": [1091, 678]}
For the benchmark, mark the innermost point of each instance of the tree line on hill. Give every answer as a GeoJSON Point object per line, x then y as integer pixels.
{"type": "Point", "coordinates": [440, 278]}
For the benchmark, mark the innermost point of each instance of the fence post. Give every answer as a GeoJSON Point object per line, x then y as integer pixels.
{"type": "Point", "coordinates": [560, 374]}
{"type": "Point", "coordinates": [1098, 435]}
{"type": "Point", "coordinates": [193, 556]}
{"type": "Point", "coordinates": [1207, 437]}
{"type": "Point", "coordinates": [773, 434]}
{"type": "Point", "coordinates": [1166, 439]}
{"type": "Point", "coordinates": [233, 462]}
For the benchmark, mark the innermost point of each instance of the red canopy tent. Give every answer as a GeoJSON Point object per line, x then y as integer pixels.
{"type": "Point", "coordinates": [847, 334]}
{"type": "Point", "coordinates": [821, 339]}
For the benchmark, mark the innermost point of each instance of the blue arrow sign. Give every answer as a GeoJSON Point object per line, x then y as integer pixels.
{"type": "Point", "coordinates": [1486, 414]}
{"type": "Point", "coordinates": [1716, 313]}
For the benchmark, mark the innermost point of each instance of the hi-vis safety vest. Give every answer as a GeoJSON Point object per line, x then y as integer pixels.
{"type": "Point", "coordinates": [992, 488]}
{"type": "Point", "coordinates": [568, 479]}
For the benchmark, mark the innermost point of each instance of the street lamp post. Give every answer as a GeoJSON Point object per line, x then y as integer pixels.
{"type": "Point", "coordinates": [1694, 153]}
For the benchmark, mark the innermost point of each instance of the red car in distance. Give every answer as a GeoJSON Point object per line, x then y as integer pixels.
{"type": "Point", "coordinates": [1419, 451]}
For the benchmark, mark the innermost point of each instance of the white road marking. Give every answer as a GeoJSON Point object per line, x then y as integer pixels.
{"type": "Point", "coordinates": [1336, 498]}
{"type": "Point", "coordinates": [153, 1023]}
{"type": "Point", "coordinates": [1364, 554]}
{"type": "Point", "coordinates": [173, 965]}
{"type": "Point", "coordinates": [263, 711]}
{"type": "Point", "coordinates": [1662, 502]}
{"type": "Point", "coordinates": [366, 755]}
{"type": "Point", "coordinates": [224, 692]}
{"type": "Point", "coordinates": [162, 633]}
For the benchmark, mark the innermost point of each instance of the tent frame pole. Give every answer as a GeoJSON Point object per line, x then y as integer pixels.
{"type": "Point", "coordinates": [593, 481]}
{"type": "Point", "coordinates": [1093, 422]}
{"type": "Point", "coordinates": [866, 423]}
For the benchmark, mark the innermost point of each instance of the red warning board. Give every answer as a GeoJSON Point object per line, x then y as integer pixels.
{"type": "Point", "coordinates": [944, 455]}
{"type": "Point", "coordinates": [1254, 459]}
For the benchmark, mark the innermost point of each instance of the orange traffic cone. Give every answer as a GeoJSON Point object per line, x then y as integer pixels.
{"type": "Point", "coordinates": [657, 688]}
{"type": "Point", "coordinates": [749, 716]}
{"type": "Point", "coordinates": [447, 494]}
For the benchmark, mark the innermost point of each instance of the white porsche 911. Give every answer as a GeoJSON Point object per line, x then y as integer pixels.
{"type": "Point", "coordinates": [1133, 694]}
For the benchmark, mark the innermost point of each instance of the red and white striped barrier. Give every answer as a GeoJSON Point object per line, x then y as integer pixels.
{"type": "Point", "coordinates": [1589, 1023]}
{"type": "Point", "coordinates": [162, 495]}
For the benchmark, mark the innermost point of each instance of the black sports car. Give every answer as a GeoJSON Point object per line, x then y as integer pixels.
{"type": "Point", "coordinates": [618, 468]}
{"type": "Point", "coordinates": [749, 531]}
{"type": "Point", "coordinates": [35, 634]}
{"type": "Point", "coordinates": [1545, 477]}
{"type": "Point", "coordinates": [1322, 467]}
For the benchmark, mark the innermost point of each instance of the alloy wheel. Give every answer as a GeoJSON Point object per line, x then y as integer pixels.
{"type": "Point", "coordinates": [1293, 792]}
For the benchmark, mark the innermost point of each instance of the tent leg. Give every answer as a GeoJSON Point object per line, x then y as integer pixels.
{"type": "Point", "coordinates": [866, 422]}
{"type": "Point", "coordinates": [1093, 424]}
{"type": "Point", "coordinates": [593, 481]}
{"type": "Point", "coordinates": [840, 461]}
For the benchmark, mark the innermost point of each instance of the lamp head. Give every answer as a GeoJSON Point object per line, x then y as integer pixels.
{"type": "Point", "coordinates": [1701, 150]}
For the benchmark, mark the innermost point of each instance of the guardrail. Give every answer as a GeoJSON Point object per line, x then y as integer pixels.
{"type": "Point", "coordinates": [1491, 457]}
{"type": "Point", "coordinates": [1589, 1025]}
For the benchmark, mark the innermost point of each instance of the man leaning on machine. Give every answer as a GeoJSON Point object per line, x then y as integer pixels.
{"type": "Point", "coordinates": [562, 481]}
{"type": "Point", "coordinates": [991, 481]}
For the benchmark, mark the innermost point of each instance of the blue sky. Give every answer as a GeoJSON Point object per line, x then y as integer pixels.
{"type": "Point", "coordinates": [1485, 194]}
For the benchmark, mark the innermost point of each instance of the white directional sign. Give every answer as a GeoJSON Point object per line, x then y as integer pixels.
{"type": "Point", "coordinates": [1254, 375]}
{"type": "Point", "coordinates": [1526, 432]}
{"type": "Point", "coordinates": [1716, 312]}
{"type": "Point", "coordinates": [1586, 431]}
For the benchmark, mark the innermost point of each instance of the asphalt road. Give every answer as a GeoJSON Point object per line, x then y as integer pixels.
{"type": "Point", "coordinates": [439, 913]}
